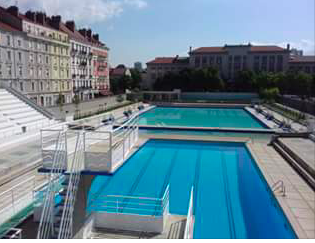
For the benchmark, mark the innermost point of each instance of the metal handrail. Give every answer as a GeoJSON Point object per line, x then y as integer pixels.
{"type": "Point", "coordinates": [190, 217]}
{"type": "Point", "coordinates": [279, 185]}
{"type": "Point", "coordinates": [47, 218]}
{"type": "Point", "coordinates": [65, 230]}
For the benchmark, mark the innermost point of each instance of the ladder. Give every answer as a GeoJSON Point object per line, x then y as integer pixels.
{"type": "Point", "coordinates": [279, 185]}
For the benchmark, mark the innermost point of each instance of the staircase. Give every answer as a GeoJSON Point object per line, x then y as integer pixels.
{"type": "Point", "coordinates": [295, 162]}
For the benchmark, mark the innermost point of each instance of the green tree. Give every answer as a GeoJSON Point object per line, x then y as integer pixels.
{"type": "Point", "coordinates": [76, 102]}
{"type": "Point", "coordinates": [136, 78]}
{"type": "Point", "coordinates": [269, 94]}
{"type": "Point", "coordinates": [60, 101]}
{"type": "Point", "coordinates": [245, 81]}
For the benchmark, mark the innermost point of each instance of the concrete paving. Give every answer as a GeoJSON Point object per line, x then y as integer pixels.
{"type": "Point", "coordinates": [299, 201]}
{"type": "Point", "coordinates": [302, 147]}
{"type": "Point", "coordinates": [86, 106]}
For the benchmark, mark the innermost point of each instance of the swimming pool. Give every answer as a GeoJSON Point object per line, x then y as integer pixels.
{"type": "Point", "coordinates": [200, 117]}
{"type": "Point", "coordinates": [232, 199]}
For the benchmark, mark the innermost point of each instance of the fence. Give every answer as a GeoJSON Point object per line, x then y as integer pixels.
{"type": "Point", "coordinates": [143, 214]}
{"type": "Point", "coordinates": [17, 203]}
{"type": "Point", "coordinates": [104, 149]}
{"type": "Point", "coordinates": [189, 229]}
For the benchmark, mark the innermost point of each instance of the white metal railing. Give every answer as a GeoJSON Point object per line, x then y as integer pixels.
{"type": "Point", "coordinates": [189, 229]}
{"type": "Point", "coordinates": [105, 150]}
{"type": "Point", "coordinates": [46, 226]}
{"type": "Point", "coordinates": [66, 229]}
{"type": "Point", "coordinates": [14, 233]}
{"type": "Point", "coordinates": [15, 199]}
{"type": "Point", "coordinates": [119, 204]}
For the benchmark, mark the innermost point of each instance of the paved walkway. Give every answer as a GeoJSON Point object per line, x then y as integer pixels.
{"type": "Point", "coordinates": [299, 202]}
{"type": "Point", "coordinates": [302, 147]}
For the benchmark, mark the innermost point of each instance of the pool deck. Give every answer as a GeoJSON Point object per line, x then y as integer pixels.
{"type": "Point", "coordinates": [302, 147]}
{"type": "Point", "coordinates": [299, 202]}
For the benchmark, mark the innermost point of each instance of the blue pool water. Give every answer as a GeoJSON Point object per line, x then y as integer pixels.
{"type": "Point", "coordinates": [200, 117]}
{"type": "Point", "coordinates": [231, 200]}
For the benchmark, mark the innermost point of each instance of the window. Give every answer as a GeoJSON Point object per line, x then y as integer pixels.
{"type": "Point", "coordinates": [21, 86]}
{"type": "Point", "coordinates": [197, 61]}
{"type": "Point", "coordinates": [9, 70]}
{"type": "Point", "coordinates": [31, 58]}
{"type": "Point", "coordinates": [33, 87]}
{"type": "Point", "coordinates": [19, 42]}
{"type": "Point", "coordinates": [20, 56]}
{"type": "Point", "coordinates": [0, 70]}
{"type": "Point", "coordinates": [47, 61]}
{"type": "Point", "coordinates": [41, 86]}
{"type": "Point", "coordinates": [31, 71]}
{"type": "Point", "coordinates": [204, 60]}
{"type": "Point", "coordinates": [40, 72]}
{"type": "Point", "coordinates": [9, 55]}
{"type": "Point", "coordinates": [40, 58]}
{"type": "Point", "coordinates": [8, 40]}
{"type": "Point", "coordinates": [20, 70]}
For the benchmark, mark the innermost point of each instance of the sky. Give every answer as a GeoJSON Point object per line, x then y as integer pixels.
{"type": "Point", "coordinates": [140, 30]}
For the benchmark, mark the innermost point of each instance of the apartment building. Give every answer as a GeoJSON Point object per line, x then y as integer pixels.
{"type": "Point", "coordinates": [302, 63]}
{"type": "Point", "coordinates": [51, 57]}
{"type": "Point", "coordinates": [48, 56]}
{"type": "Point", "coordinates": [100, 65]}
{"type": "Point", "coordinates": [13, 56]}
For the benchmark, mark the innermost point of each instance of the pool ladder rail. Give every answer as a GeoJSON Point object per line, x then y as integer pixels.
{"type": "Point", "coordinates": [279, 185]}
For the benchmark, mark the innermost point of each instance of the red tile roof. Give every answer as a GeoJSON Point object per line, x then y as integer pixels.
{"type": "Point", "coordinates": [251, 48]}
{"type": "Point", "coordinates": [209, 50]}
{"type": "Point", "coordinates": [162, 60]}
{"type": "Point", "coordinates": [267, 49]}
{"type": "Point", "coordinates": [302, 59]}
{"type": "Point", "coordinates": [6, 27]}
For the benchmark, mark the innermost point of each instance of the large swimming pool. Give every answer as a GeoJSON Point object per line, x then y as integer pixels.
{"type": "Point", "coordinates": [200, 117]}
{"type": "Point", "coordinates": [232, 199]}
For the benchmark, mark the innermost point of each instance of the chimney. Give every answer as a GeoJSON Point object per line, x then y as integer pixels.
{"type": "Point", "coordinates": [190, 49]}
{"type": "Point", "coordinates": [30, 15]}
{"type": "Point", "coordinates": [96, 37]}
{"type": "Point", "coordinates": [288, 47]}
{"type": "Point", "coordinates": [71, 25]}
{"type": "Point", "coordinates": [55, 21]}
{"type": "Point", "coordinates": [14, 10]}
{"type": "Point", "coordinates": [83, 32]}
{"type": "Point", "coordinates": [41, 18]}
{"type": "Point", "coordinates": [89, 33]}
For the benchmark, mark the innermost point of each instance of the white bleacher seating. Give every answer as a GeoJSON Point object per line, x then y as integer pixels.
{"type": "Point", "coordinates": [15, 114]}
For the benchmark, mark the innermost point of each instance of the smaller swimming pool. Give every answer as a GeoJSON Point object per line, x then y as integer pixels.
{"type": "Point", "coordinates": [200, 117]}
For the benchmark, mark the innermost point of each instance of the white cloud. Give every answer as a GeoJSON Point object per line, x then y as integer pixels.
{"type": "Point", "coordinates": [308, 46]}
{"type": "Point", "coordinates": [82, 11]}
{"type": "Point", "coordinates": [137, 3]}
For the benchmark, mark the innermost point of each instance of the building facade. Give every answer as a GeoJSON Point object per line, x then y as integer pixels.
{"type": "Point", "coordinates": [13, 56]}
{"type": "Point", "coordinates": [228, 59]}
{"type": "Point", "coordinates": [302, 64]}
{"type": "Point", "coordinates": [49, 60]}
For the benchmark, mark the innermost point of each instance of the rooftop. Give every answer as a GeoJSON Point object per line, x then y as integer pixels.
{"type": "Point", "coordinates": [251, 48]}
{"type": "Point", "coordinates": [302, 59]}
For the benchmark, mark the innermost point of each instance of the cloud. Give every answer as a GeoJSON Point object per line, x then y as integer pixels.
{"type": "Point", "coordinates": [308, 46]}
{"type": "Point", "coordinates": [137, 3]}
{"type": "Point", "coordinates": [82, 11]}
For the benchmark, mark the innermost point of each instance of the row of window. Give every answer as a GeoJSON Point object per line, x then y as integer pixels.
{"type": "Point", "coordinates": [304, 68]}
{"type": "Point", "coordinates": [39, 46]}
{"type": "Point", "coordinates": [44, 33]}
